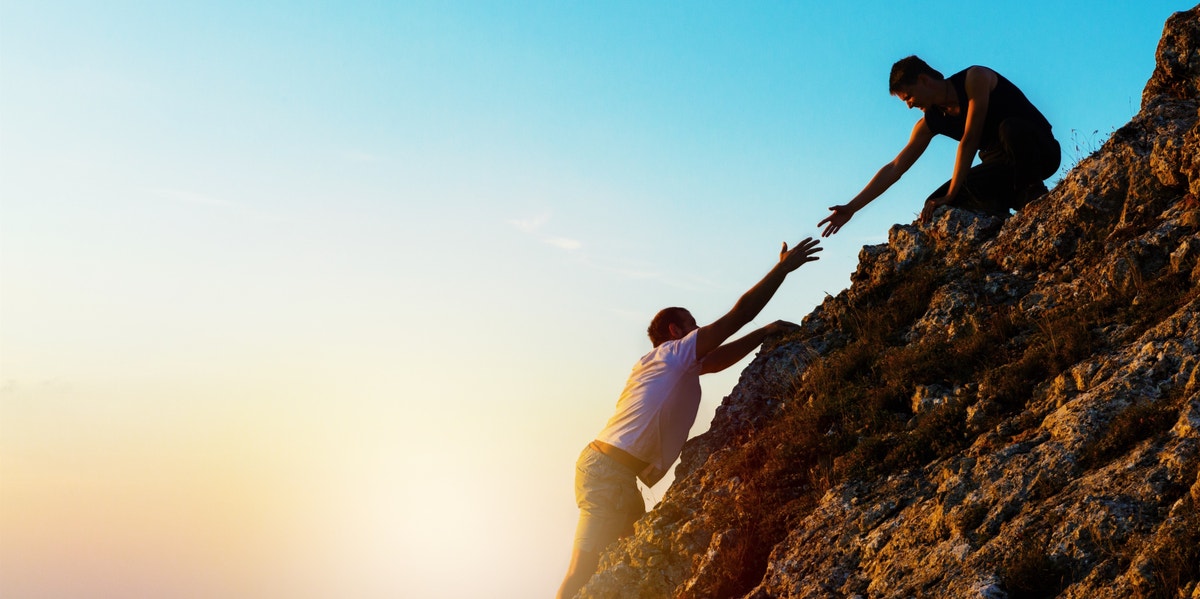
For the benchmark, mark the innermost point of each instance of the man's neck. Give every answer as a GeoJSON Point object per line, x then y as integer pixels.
{"type": "Point", "coordinates": [949, 101]}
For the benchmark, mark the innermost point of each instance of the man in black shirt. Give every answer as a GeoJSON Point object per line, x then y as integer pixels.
{"type": "Point", "coordinates": [987, 114]}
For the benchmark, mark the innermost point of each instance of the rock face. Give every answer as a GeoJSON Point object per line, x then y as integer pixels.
{"type": "Point", "coordinates": [992, 409]}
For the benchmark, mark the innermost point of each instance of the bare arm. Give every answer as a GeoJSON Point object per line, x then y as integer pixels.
{"type": "Point", "coordinates": [711, 336]}
{"type": "Point", "coordinates": [891, 172]}
{"type": "Point", "coordinates": [980, 83]}
{"type": "Point", "coordinates": [729, 354]}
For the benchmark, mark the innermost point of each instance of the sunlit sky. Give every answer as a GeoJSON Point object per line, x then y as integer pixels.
{"type": "Point", "coordinates": [315, 300]}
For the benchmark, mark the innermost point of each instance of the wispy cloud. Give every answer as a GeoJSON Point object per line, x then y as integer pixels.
{"type": "Point", "coordinates": [564, 243]}
{"type": "Point", "coordinates": [533, 226]}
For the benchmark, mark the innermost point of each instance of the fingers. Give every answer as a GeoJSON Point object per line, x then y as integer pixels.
{"type": "Point", "coordinates": [927, 211]}
{"type": "Point", "coordinates": [931, 206]}
{"type": "Point", "coordinates": [809, 245]}
{"type": "Point", "coordinates": [805, 249]}
{"type": "Point", "coordinates": [833, 223]}
{"type": "Point", "coordinates": [781, 327]}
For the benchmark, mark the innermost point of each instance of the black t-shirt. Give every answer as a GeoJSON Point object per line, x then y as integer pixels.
{"type": "Point", "coordinates": [1005, 101]}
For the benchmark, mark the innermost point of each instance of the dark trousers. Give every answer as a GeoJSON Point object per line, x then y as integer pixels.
{"type": "Point", "coordinates": [1010, 175]}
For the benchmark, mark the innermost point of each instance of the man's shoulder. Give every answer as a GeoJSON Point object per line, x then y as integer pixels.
{"type": "Point", "coordinates": [980, 80]}
{"type": "Point", "coordinates": [973, 71]}
{"type": "Point", "coordinates": [977, 71]}
{"type": "Point", "coordinates": [682, 349]}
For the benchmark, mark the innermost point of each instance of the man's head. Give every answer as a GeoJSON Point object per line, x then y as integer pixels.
{"type": "Point", "coordinates": [670, 324]}
{"type": "Point", "coordinates": [907, 70]}
{"type": "Point", "coordinates": [914, 82]}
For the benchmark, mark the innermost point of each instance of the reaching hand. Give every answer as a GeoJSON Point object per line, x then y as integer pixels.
{"type": "Point", "coordinates": [803, 252]}
{"type": "Point", "coordinates": [841, 215]}
{"type": "Point", "coordinates": [931, 205]}
{"type": "Point", "coordinates": [781, 326]}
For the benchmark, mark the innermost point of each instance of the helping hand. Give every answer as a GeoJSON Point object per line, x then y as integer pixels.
{"type": "Point", "coordinates": [803, 252]}
{"type": "Point", "coordinates": [841, 215]}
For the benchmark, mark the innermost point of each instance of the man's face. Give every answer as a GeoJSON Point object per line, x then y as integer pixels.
{"type": "Point", "coordinates": [918, 95]}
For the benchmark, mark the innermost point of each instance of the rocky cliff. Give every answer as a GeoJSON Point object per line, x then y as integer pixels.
{"type": "Point", "coordinates": [992, 409]}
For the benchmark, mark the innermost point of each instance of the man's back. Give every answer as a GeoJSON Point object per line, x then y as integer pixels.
{"type": "Point", "coordinates": [658, 406]}
{"type": "Point", "coordinates": [1005, 101]}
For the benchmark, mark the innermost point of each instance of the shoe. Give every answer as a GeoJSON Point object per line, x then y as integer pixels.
{"type": "Point", "coordinates": [1031, 192]}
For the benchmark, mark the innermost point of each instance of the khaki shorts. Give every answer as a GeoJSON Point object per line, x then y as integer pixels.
{"type": "Point", "coordinates": [608, 498]}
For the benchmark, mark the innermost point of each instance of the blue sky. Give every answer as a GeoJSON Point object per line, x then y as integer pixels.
{"type": "Point", "coordinates": [326, 297]}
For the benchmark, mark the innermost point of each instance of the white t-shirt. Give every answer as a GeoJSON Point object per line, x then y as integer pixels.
{"type": "Point", "coordinates": [658, 407]}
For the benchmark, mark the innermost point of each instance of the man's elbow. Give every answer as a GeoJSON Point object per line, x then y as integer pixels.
{"type": "Point", "coordinates": [714, 368]}
{"type": "Point", "coordinates": [716, 361]}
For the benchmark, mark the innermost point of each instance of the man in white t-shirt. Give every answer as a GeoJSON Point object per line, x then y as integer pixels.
{"type": "Point", "coordinates": [655, 412]}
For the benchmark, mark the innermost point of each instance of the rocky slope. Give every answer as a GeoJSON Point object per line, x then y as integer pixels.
{"type": "Point", "coordinates": [992, 409]}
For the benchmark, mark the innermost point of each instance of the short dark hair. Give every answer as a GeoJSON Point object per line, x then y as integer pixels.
{"type": "Point", "coordinates": [660, 327]}
{"type": "Point", "coordinates": [905, 73]}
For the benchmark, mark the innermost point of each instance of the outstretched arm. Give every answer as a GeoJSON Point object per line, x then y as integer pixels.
{"type": "Point", "coordinates": [891, 172]}
{"type": "Point", "coordinates": [711, 336]}
{"type": "Point", "coordinates": [729, 354]}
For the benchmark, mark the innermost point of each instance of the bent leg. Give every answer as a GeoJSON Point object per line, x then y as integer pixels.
{"type": "Point", "coordinates": [609, 503]}
{"type": "Point", "coordinates": [1032, 150]}
{"type": "Point", "coordinates": [988, 188]}
{"type": "Point", "coordinates": [1010, 178]}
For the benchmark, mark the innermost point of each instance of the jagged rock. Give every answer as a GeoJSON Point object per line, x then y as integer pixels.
{"type": "Point", "coordinates": [1177, 61]}
{"type": "Point", "coordinates": [993, 409]}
